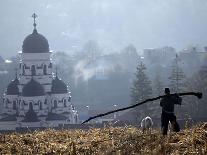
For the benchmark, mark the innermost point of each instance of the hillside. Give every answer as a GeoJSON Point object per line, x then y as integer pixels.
{"type": "Point", "coordinates": [109, 140]}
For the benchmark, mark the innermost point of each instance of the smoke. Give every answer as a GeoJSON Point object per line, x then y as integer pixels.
{"type": "Point", "coordinates": [82, 71]}
{"type": "Point", "coordinates": [87, 69]}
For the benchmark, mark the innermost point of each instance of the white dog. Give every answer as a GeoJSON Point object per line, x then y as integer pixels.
{"type": "Point", "coordinates": [146, 124]}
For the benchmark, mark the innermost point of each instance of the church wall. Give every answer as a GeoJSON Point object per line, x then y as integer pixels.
{"type": "Point", "coordinates": [56, 123]}
{"type": "Point", "coordinates": [30, 124]}
{"type": "Point", "coordinates": [35, 56]}
{"type": "Point", "coordinates": [10, 104]}
{"type": "Point", "coordinates": [38, 103]}
{"type": "Point", "coordinates": [10, 125]}
{"type": "Point", "coordinates": [39, 65]}
{"type": "Point", "coordinates": [60, 103]}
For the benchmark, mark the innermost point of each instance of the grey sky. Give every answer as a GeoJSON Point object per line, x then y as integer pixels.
{"type": "Point", "coordinates": [68, 24]}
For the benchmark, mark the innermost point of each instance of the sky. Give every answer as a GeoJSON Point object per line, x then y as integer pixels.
{"type": "Point", "coordinates": [69, 24]}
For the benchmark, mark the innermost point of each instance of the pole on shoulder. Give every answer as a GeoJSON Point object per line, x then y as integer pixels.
{"type": "Point", "coordinates": [197, 94]}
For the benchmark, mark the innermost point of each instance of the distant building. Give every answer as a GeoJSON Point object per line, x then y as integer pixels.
{"type": "Point", "coordinates": [36, 98]}
{"type": "Point", "coordinates": [158, 55]}
{"type": "Point", "coordinates": [192, 53]}
{"type": "Point", "coordinates": [194, 58]}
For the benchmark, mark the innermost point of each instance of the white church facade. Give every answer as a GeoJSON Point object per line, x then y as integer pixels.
{"type": "Point", "coordinates": [36, 97]}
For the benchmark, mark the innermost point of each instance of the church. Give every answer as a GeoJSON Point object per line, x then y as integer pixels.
{"type": "Point", "coordinates": [36, 97]}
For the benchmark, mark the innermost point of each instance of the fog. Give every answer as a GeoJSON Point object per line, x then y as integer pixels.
{"type": "Point", "coordinates": [68, 24]}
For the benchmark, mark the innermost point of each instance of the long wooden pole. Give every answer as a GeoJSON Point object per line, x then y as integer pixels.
{"type": "Point", "coordinates": [197, 94]}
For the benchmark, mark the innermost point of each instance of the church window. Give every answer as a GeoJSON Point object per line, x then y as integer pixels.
{"type": "Point", "coordinates": [50, 65]}
{"type": "Point", "coordinates": [45, 70]}
{"type": "Point", "coordinates": [30, 106]}
{"type": "Point", "coordinates": [69, 98]}
{"type": "Point", "coordinates": [14, 105]}
{"type": "Point", "coordinates": [33, 70]}
{"type": "Point", "coordinates": [40, 104]}
{"type": "Point", "coordinates": [55, 104]}
{"type": "Point", "coordinates": [76, 118]}
{"type": "Point", "coordinates": [23, 70]}
{"type": "Point", "coordinates": [7, 102]}
{"type": "Point", "coordinates": [65, 102]}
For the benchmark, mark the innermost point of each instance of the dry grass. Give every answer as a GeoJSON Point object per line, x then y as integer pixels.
{"type": "Point", "coordinates": [109, 140]}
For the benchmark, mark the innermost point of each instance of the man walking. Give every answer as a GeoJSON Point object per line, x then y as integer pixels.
{"type": "Point", "coordinates": [167, 103]}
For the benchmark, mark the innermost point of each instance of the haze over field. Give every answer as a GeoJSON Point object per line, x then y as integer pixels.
{"type": "Point", "coordinates": [68, 24]}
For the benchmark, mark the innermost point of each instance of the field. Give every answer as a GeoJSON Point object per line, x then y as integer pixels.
{"type": "Point", "coordinates": [108, 140]}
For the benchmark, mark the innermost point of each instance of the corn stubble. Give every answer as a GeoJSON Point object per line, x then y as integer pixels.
{"type": "Point", "coordinates": [108, 140]}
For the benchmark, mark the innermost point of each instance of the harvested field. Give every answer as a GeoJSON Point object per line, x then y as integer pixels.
{"type": "Point", "coordinates": [109, 140]}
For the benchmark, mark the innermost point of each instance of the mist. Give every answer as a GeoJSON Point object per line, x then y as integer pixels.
{"type": "Point", "coordinates": [68, 24]}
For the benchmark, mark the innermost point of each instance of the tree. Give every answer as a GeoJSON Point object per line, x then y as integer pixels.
{"type": "Point", "coordinates": [141, 89]}
{"type": "Point", "coordinates": [198, 82]}
{"type": "Point", "coordinates": [158, 85]}
{"type": "Point", "coordinates": [177, 76]}
{"type": "Point", "coordinates": [128, 58]}
{"type": "Point", "coordinates": [196, 108]}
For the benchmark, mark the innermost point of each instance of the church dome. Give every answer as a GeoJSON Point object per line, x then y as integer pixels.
{"type": "Point", "coordinates": [12, 88]}
{"type": "Point", "coordinates": [33, 88]}
{"type": "Point", "coordinates": [58, 86]}
{"type": "Point", "coordinates": [35, 43]}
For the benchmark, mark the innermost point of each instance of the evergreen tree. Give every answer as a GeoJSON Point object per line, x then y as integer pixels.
{"type": "Point", "coordinates": [158, 85]}
{"type": "Point", "coordinates": [177, 76]}
{"type": "Point", "coordinates": [141, 89]}
{"type": "Point", "coordinates": [198, 82]}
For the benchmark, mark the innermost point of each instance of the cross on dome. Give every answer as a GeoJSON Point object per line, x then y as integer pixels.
{"type": "Point", "coordinates": [34, 16]}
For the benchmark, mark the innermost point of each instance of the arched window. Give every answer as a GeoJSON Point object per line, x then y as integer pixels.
{"type": "Point", "coordinates": [45, 101]}
{"type": "Point", "coordinates": [50, 65]}
{"type": "Point", "coordinates": [55, 103]}
{"type": "Point", "coordinates": [30, 106]}
{"type": "Point", "coordinates": [69, 98]}
{"type": "Point", "coordinates": [45, 70]}
{"type": "Point", "coordinates": [65, 102]}
{"type": "Point", "coordinates": [40, 104]}
{"type": "Point", "coordinates": [14, 105]}
{"type": "Point", "coordinates": [33, 70]}
{"type": "Point", "coordinates": [6, 103]}
{"type": "Point", "coordinates": [23, 70]}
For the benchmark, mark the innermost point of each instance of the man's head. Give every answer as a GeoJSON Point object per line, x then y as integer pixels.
{"type": "Point", "coordinates": [167, 91]}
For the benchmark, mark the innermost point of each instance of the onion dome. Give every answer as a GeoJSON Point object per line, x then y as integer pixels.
{"type": "Point", "coordinates": [12, 88]}
{"type": "Point", "coordinates": [35, 43]}
{"type": "Point", "coordinates": [58, 86]}
{"type": "Point", "coordinates": [33, 88]}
